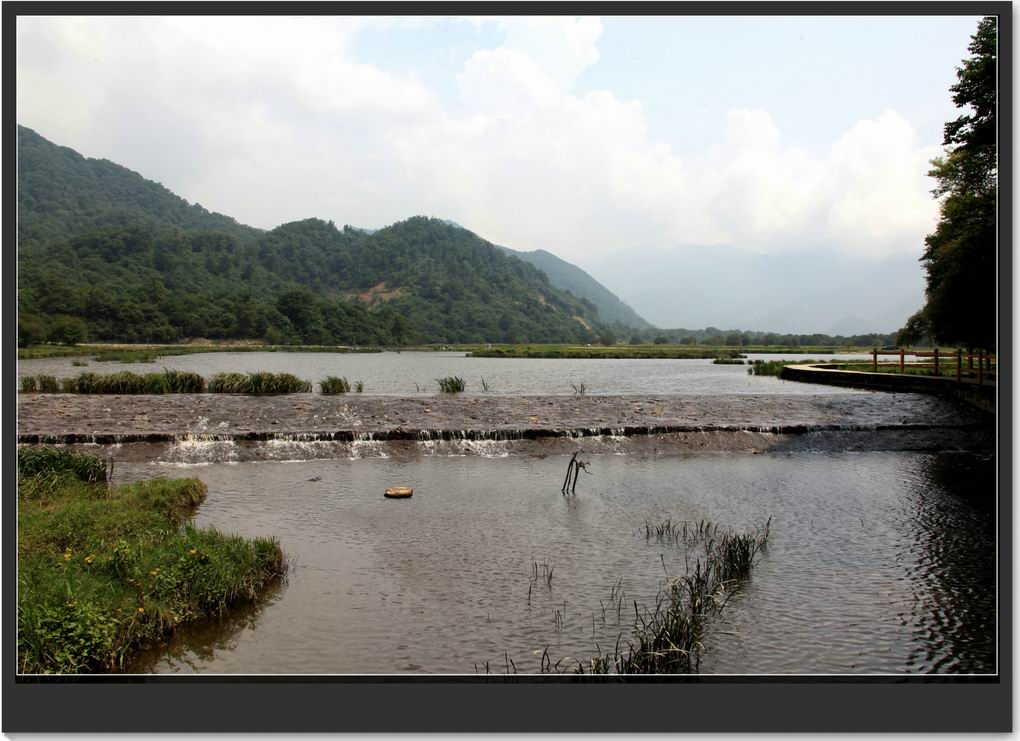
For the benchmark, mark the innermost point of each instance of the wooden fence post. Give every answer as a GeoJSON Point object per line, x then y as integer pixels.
{"type": "Point", "coordinates": [901, 360]}
{"type": "Point", "coordinates": [936, 356]}
{"type": "Point", "coordinates": [981, 369]}
{"type": "Point", "coordinates": [959, 364]}
{"type": "Point", "coordinates": [874, 360]}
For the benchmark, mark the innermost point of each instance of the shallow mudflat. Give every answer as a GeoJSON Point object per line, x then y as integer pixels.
{"type": "Point", "coordinates": [70, 418]}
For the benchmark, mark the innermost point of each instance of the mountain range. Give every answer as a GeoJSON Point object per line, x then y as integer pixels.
{"type": "Point", "coordinates": [107, 254]}
{"type": "Point", "coordinates": [802, 292]}
{"type": "Point", "coordinates": [104, 253]}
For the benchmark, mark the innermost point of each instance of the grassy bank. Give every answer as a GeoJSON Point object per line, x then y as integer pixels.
{"type": "Point", "coordinates": [103, 571]}
{"type": "Point", "coordinates": [150, 353]}
{"type": "Point", "coordinates": [947, 367]}
{"type": "Point", "coordinates": [686, 352]}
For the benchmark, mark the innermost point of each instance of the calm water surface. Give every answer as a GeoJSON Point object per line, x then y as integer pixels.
{"type": "Point", "coordinates": [409, 373]}
{"type": "Point", "coordinates": [878, 562]}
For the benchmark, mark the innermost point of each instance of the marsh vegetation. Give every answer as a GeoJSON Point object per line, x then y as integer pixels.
{"type": "Point", "coordinates": [103, 570]}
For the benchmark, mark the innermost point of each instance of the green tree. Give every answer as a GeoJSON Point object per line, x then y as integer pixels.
{"type": "Point", "coordinates": [960, 254]}
{"type": "Point", "coordinates": [67, 330]}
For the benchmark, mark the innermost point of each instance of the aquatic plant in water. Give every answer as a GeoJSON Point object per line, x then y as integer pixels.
{"type": "Point", "coordinates": [451, 384]}
{"type": "Point", "coordinates": [260, 383]}
{"type": "Point", "coordinates": [335, 385]}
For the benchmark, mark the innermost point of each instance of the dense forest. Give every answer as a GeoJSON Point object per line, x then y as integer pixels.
{"type": "Point", "coordinates": [104, 254]}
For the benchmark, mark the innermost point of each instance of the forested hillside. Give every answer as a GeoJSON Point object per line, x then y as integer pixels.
{"type": "Point", "coordinates": [104, 254]}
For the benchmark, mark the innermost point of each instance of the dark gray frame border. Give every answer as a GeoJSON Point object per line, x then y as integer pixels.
{"type": "Point", "coordinates": [287, 704]}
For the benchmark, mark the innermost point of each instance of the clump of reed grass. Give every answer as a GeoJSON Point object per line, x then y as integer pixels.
{"type": "Point", "coordinates": [359, 387]}
{"type": "Point", "coordinates": [126, 382]}
{"type": "Point", "coordinates": [260, 383]}
{"type": "Point", "coordinates": [78, 363]}
{"type": "Point", "coordinates": [183, 382]}
{"type": "Point", "coordinates": [104, 570]}
{"type": "Point", "coordinates": [43, 460]}
{"type": "Point", "coordinates": [335, 385]}
{"type": "Point", "coordinates": [28, 384]}
{"type": "Point", "coordinates": [728, 361]}
{"type": "Point", "coordinates": [451, 384]}
{"type": "Point", "coordinates": [669, 639]}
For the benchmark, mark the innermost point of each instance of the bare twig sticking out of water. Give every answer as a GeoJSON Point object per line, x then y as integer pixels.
{"type": "Point", "coordinates": [570, 470]}
{"type": "Point", "coordinates": [579, 390]}
{"type": "Point", "coordinates": [574, 468]}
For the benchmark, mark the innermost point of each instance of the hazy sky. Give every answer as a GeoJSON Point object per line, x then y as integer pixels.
{"type": "Point", "coordinates": [581, 136]}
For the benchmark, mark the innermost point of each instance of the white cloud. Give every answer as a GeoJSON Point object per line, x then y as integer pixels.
{"type": "Point", "coordinates": [563, 47]}
{"type": "Point", "coordinates": [271, 120]}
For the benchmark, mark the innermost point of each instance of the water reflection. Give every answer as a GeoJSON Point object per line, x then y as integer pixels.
{"type": "Point", "coordinates": [206, 640]}
{"type": "Point", "coordinates": [947, 553]}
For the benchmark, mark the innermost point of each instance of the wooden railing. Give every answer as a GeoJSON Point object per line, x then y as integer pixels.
{"type": "Point", "coordinates": [985, 370]}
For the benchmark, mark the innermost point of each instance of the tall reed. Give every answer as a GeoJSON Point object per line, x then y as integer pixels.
{"type": "Point", "coordinates": [259, 384]}
{"type": "Point", "coordinates": [335, 385]}
{"type": "Point", "coordinates": [42, 460]}
{"type": "Point", "coordinates": [669, 639]}
{"type": "Point", "coordinates": [451, 384]}
{"type": "Point", "coordinates": [124, 382]}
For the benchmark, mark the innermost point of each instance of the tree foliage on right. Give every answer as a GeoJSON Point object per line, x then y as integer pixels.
{"type": "Point", "coordinates": [960, 254]}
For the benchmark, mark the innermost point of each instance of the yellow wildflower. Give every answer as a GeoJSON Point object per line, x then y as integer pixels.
{"type": "Point", "coordinates": [193, 551]}
{"type": "Point", "coordinates": [88, 559]}
{"type": "Point", "coordinates": [67, 556]}
{"type": "Point", "coordinates": [141, 609]}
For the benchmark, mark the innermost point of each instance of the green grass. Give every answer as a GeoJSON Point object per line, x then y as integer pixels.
{"type": "Point", "coordinates": [150, 353]}
{"type": "Point", "coordinates": [599, 351]}
{"type": "Point", "coordinates": [45, 461]}
{"type": "Point", "coordinates": [261, 383]}
{"type": "Point", "coordinates": [124, 382]}
{"type": "Point", "coordinates": [669, 639]}
{"type": "Point", "coordinates": [774, 367]}
{"type": "Point", "coordinates": [451, 384]}
{"type": "Point", "coordinates": [947, 368]}
{"type": "Point", "coordinates": [335, 385]}
{"type": "Point", "coordinates": [102, 571]}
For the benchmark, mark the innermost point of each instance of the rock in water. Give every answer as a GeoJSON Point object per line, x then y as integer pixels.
{"type": "Point", "coordinates": [399, 492]}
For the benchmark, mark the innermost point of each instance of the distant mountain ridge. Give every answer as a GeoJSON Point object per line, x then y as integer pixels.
{"type": "Point", "coordinates": [126, 259]}
{"type": "Point", "coordinates": [806, 292]}
{"type": "Point", "coordinates": [569, 277]}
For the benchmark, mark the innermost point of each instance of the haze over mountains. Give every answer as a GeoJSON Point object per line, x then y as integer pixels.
{"type": "Point", "coordinates": [805, 292]}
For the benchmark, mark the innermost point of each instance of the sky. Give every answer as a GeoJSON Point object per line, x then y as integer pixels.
{"type": "Point", "coordinates": [582, 136]}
